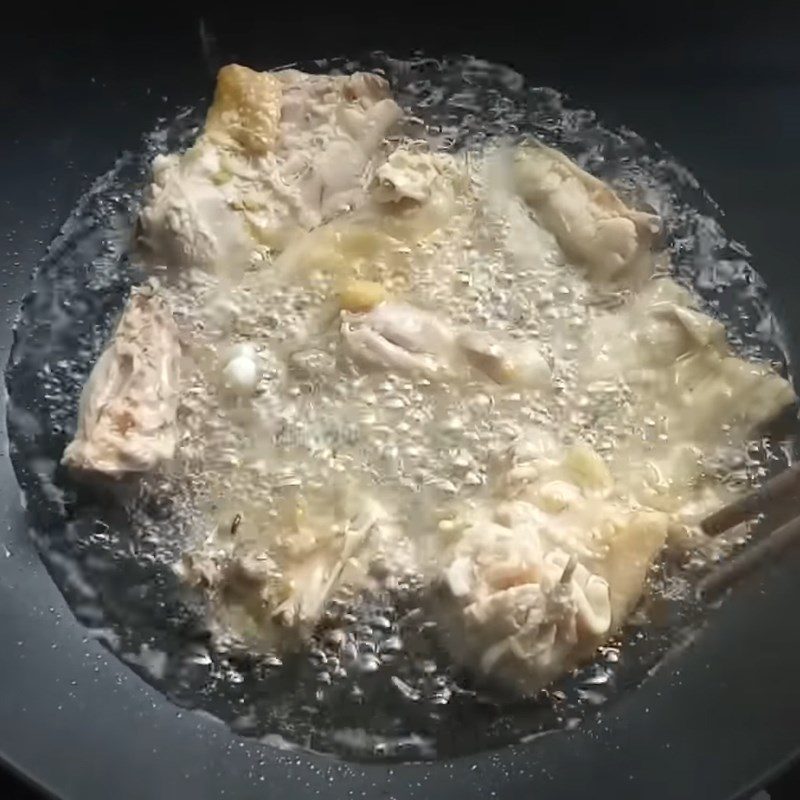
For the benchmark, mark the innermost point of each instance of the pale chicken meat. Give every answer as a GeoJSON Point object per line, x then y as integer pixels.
{"type": "Point", "coordinates": [414, 193]}
{"type": "Point", "coordinates": [505, 361]}
{"type": "Point", "coordinates": [397, 336]}
{"type": "Point", "coordinates": [414, 179]}
{"type": "Point", "coordinates": [281, 151]}
{"type": "Point", "coordinates": [410, 199]}
{"type": "Point", "coordinates": [587, 218]}
{"type": "Point", "coordinates": [405, 176]}
{"type": "Point", "coordinates": [541, 576]}
{"type": "Point", "coordinates": [680, 366]}
{"type": "Point", "coordinates": [516, 614]}
{"type": "Point", "coordinates": [187, 221]}
{"type": "Point", "coordinates": [275, 581]}
{"type": "Point", "coordinates": [126, 417]}
{"type": "Point", "coordinates": [401, 337]}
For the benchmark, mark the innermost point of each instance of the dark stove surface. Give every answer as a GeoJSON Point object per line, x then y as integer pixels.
{"type": "Point", "coordinates": [715, 89]}
{"type": "Point", "coordinates": [787, 787]}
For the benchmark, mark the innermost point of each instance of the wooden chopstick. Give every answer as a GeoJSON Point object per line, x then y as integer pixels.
{"type": "Point", "coordinates": [726, 574]}
{"type": "Point", "coordinates": [767, 499]}
{"type": "Point", "coordinates": [757, 502]}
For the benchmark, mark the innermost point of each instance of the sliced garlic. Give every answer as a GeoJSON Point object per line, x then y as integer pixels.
{"type": "Point", "coordinates": [241, 373]}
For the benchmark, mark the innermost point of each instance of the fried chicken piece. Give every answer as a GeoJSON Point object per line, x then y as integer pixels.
{"type": "Point", "coordinates": [547, 570]}
{"type": "Point", "coordinates": [590, 222]}
{"type": "Point", "coordinates": [126, 418]}
{"type": "Point", "coordinates": [246, 109]}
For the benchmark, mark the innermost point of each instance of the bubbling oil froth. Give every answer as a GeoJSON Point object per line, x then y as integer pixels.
{"type": "Point", "coordinates": [374, 673]}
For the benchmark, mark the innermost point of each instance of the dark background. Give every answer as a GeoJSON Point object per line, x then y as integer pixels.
{"type": "Point", "coordinates": [718, 88]}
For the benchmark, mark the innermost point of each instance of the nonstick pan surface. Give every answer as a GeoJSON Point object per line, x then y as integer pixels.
{"type": "Point", "coordinates": [713, 720]}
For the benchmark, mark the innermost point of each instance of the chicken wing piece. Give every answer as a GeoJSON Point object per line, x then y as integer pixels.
{"type": "Point", "coordinates": [399, 336]}
{"type": "Point", "coordinates": [590, 222]}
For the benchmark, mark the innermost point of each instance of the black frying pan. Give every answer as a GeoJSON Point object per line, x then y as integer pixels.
{"type": "Point", "coordinates": [715, 719]}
